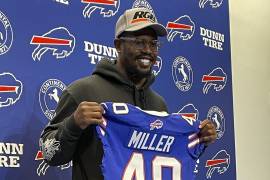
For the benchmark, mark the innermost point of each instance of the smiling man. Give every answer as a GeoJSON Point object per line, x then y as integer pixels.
{"type": "Point", "coordinates": [137, 32]}
{"type": "Point", "coordinates": [71, 134]}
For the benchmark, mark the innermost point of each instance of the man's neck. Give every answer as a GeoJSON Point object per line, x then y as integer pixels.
{"type": "Point", "coordinates": [139, 83]}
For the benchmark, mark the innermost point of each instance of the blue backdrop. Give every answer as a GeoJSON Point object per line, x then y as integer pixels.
{"type": "Point", "coordinates": [47, 44]}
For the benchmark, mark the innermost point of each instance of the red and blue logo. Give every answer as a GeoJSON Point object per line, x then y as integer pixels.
{"type": "Point", "coordinates": [183, 26]}
{"type": "Point", "coordinates": [10, 89]}
{"type": "Point", "coordinates": [59, 41]}
{"type": "Point", "coordinates": [219, 164]}
{"type": "Point", "coordinates": [216, 80]}
{"type": "Point", "coordinates": [189, 113]}
{"type": "Point", "coordinates": [107, 8]}
{"type": "Point", "coordinates": [43, 166]}
{"type": "Point", "coordinates": [157, 124]}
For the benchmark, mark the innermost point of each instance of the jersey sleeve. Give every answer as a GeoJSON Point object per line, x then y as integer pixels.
{"type": "Point", "coordinates": [195, 147]}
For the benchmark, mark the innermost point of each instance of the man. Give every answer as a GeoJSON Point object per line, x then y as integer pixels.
{"type": "Point", "coordinates": [71, 134]}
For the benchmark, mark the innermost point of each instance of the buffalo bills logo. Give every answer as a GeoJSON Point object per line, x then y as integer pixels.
{"type": "Point", "coordinates": [10, 89]}
{"type": "Point", "coordinates": [219, 164]}
{"type": "Point", "coordinates": [183, 26]}
{"type": "Point", "coordinates": [107, 8]}
{"type": "Point", "coordinates": [157, 124]}
{"type": "Point", "coordinates": [182, 73]}
{"type": "Point", "coordinates": [43, 166]}
{"type": "Point", "coordinates": [189, 113]}
{"type": "Point", "coordinates": [216, 116]}
{"type": "Point", "coordinates": [58, 40]}
{"type": "Point", "coordinates": [212, 3]}
{"type": "Point", "coordinates": [157, 66]}
{"type": "Point", "coordinates": [216, 79]}
{"type": "Point", "coordinates": [6, 34]}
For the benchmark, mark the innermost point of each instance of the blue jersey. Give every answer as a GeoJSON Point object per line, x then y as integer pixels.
{"type": "Point", "coordinates": [147, 145]}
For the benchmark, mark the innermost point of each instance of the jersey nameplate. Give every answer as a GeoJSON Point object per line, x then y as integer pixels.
{"type": "Point", "coordinates": [139, 139]}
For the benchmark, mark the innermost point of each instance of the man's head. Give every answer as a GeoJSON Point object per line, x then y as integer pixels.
{"type": "Point", "coordinates": [136, 19]}
{"type": "Point", "coordinates": [136, 40]}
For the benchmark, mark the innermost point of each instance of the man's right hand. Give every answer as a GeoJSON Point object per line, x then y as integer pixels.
{"type": "Point", "coordinates": [88, 113]}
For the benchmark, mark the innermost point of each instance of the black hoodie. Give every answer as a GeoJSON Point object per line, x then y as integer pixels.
{"type": "Point", "coordinates": [62, 140]}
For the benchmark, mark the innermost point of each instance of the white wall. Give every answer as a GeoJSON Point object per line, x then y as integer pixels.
{"type": "Point", "coordinates": [250, 38]}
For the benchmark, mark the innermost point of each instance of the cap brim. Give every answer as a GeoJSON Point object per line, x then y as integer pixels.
{"type": "Point", "coordinates": [158, 28]}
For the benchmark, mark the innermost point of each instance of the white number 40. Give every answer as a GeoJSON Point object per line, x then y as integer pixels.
{"type": "Point", "coordinates": [135, 167]}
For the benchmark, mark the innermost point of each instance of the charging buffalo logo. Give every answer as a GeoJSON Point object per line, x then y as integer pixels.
{"type": "Point", "coordinates": [157, 66]}
{"type": "Point", "coordinates": [59, 41]}
{"type": "Point", "coordinates": [183, 26]}
{"type": "Point", "coordinates": [212, 3]}
{"type": "Point", "coordinates": [49, 94]}
{"type": "Point", "coordinates": [43, 166]}
{"type": "Point", "coordinates": [107, 8]}
{"type": "Point", "coordinates": [10, 89]}
{"type": "Point", "coordinates": [182, 73]}
{"type": "Point", "coordinates": [219, 164]}
{"type": "Point", "coordinates": [216, 116]}
{"type": "Point", "coordinates": [216, 79]}
{"type": "Point", "coordinates": [189, 113]}
{"type": "Point", "coordinates": [157, 124]}
{"type": "Point", "coordinates": [6, 34]}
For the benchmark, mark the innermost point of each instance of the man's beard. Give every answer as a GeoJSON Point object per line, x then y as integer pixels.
{"type": "Point", "coordinates": [134, 73]}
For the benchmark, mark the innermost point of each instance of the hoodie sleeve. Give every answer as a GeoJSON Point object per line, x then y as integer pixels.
{"type": "Point", "coordinates": [59, 139]}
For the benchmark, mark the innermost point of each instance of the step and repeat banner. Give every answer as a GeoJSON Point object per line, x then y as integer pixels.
{"type": "Point", "coordinates": [193, 72]}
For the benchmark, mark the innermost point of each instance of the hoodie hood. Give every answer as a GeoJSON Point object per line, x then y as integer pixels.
{"type": "Point", "coordinates": [107, 68]}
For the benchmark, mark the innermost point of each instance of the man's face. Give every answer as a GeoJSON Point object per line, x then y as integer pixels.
{"type": "Point", "coordinates": [137, 54]}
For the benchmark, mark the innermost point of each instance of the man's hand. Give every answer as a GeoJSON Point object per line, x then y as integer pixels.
{"type": "Point", "coordinates": [88, 113]}
{"type": "Point", "coordinates": [208, 133]}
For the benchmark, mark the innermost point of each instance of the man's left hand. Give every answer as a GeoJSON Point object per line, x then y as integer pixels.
{"type": "Point", "coordinates": [208, 133]}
